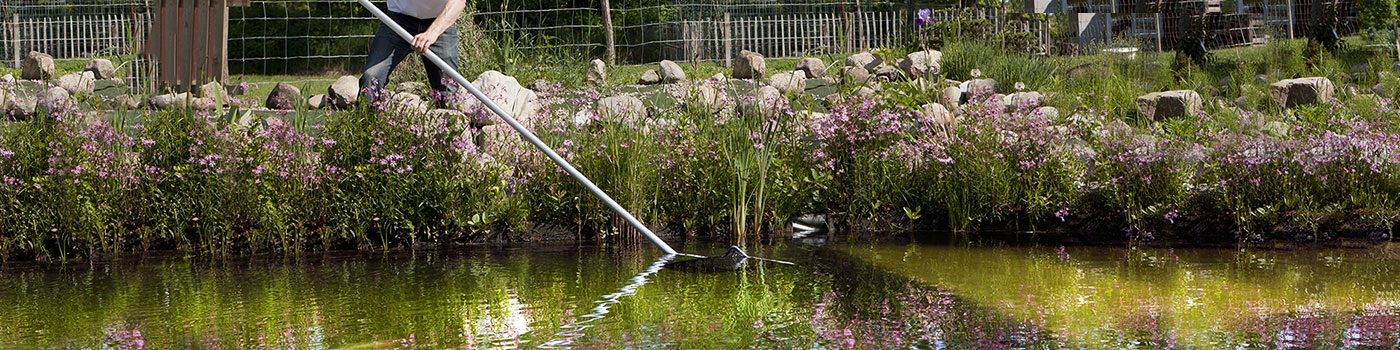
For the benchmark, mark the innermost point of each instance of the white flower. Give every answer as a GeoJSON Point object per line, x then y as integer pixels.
{"type": "Point", "coordinates": [976, 73]}
{"type": "Point", "coordinates": [1020, 86]}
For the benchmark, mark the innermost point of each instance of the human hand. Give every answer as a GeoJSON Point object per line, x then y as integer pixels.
{"type": "Point", "coordinates": [422, 42]}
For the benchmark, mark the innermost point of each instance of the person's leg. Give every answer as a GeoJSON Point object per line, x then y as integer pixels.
{"type": "Point", "coordinates": [446, 48]}
{"type": "Point", "coordinates": [385, 53]}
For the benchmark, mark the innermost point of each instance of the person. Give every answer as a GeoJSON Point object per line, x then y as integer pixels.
{"type": "Point", "coordinates": [433, 26]}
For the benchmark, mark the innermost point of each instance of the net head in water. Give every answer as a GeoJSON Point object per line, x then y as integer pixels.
{"type": "Point", "coordinates": [732, 260]}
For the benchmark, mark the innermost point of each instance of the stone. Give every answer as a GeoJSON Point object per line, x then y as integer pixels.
{"type": "Point", "coordinates": [283, 96]}
{"type": "Point", "coordinates": [317, 101]}
{"type": "Point", "coordinates": [750, 65]}
{"type": "Point", "coordinates": [650, 77]}
{"type": "Point", "coordinates": [974, 87]}
{"type": "Point", "coordinates": [344, 92]}
{"type": "Point", "coordinates": [1048, 112]}
{"type": "Point", "coordinates": [522, 104]}
{"type": "Point", "coordinates": [1261, 79]}
{"type": "Point", "coordinates": [622, 107]}
{"type": "Point", "coordinates": [864, 60]}
{"type": "Point", "coordinates": [937, 114]}
{"type": "Point", "coordinates": [169, 101]}
{"type": "Point", "coordinates": [1027, 99]}
{"type": "Point", "coordinates": [951, 97]}
{"type": "Point", "coordinates": [24, 104]}
{"type": "Point", "coordinates": [888, 73]}
{"type": "Point", "coordinates": [81, 83]}
{"type": "Point", "coordinates": [1169, 104]}
{"type": "Point", "coordinates": [768, 101]}
{"type": "Point", "coordinates": [411, 102]}
{"type": "Point", "coordinates": [1277, 128]}
{"type": "Point", "coordinates": [855, 75]}
{"type": "Point", "coordinates": [865, 91]}
{"type": "Point", "coordinates": [101, 69]}
{"type": "Point", "coordinates": [814, 67]}
{"type": "Point", "coordinates": [706, 98]}
{"type": "Point", "coordinates": [794, 82]}
{"type": "Point", "coordinates": [8, 78]}
{"type": "Point", "coordinates": [214, 90]}
{"type": "Point", "coordinates": [922, 64]}
{"type": "Point", "coordinates": [671, 72]}
{"type": "Point", "coordinates": [1291, 93]}
{"type": "Point", "coordinates": [597, 72]}
{"type": "Point", "coordinates": [126, 102]}
{"type": "Point", "coordinates": [204, 103]}
{"type": "Point", "coordinates": [55, 94]}
{"type": "Point", "coordinates": [497, 138]}
{"type": "Point", "coordinates": [412, 87]}
{"type": "Point", "coordinates": [833, 99]}
{"type": "Point", "coordinates": [37, 66]}
{"type": "Point", "coordinates": [540, 85]}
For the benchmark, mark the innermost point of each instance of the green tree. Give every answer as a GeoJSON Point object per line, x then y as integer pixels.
{"type": "Point", "coordinates": [1376, 14]}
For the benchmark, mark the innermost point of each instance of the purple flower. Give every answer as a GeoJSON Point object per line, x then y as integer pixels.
{"type": "Point", "coordinates": [925, 18]}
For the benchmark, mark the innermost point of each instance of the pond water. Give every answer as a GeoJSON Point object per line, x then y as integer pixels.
{"type": "Point", "coordinates": [840, 296]}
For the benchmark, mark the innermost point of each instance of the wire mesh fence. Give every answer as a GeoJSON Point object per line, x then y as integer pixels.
{"type": "Point", "coordinates": [76, 31]}
{"type": "Point", "coordinates": [328, 37]}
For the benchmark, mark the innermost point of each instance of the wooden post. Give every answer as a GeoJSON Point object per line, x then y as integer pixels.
{"type": "Point", "coordinates": [14, 29]}
{"type": "Point", "coordinates": [728, 41]}
{"type": "Point", "coordinates": [1290, 18]}
{"type": "Point", "coordinates": [1159, 32]}
{"type": "Point", "coordinates": [608, 33]}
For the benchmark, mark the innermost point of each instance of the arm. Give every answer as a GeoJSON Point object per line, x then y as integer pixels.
{"type": "Point", "coordinates": [449, 15]}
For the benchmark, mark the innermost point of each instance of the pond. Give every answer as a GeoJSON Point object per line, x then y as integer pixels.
{"type": "Point", "coordinates": [841, 295]}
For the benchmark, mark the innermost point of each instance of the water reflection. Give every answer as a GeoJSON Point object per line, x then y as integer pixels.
{"type": "Point", "coordinates": [1170, 298]}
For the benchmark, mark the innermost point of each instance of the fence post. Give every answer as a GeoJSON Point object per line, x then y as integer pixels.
{"type": "Point", "coordinates": [728, 42]}
{"type": "Point", "coordinates": [14, 30]}
{"type": "Point", "coordinates": [608, 33]}
{"type": "Point", "coordinates": [1290, 18]}
{"type": "Point", "coordinates": [1159, 32]}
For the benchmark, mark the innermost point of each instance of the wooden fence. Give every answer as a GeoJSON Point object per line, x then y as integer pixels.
{"type": "Point", "coordinates": [188, 41]}
{"type": "Point", "coordinates": [787, 35]}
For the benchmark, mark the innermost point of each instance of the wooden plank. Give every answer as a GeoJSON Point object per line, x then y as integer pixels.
{"type": "Point", "coordinates": [199, 42]}
{"type": "Point", "coordinates": [219, 40]}
{"type": "Point", "coordinates": [187, 43]}
{"type": "Point", "coordinates": [169, 23]}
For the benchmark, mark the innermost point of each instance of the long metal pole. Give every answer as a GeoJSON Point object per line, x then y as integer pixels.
{"type": "Point", "coordinates": [523, 131]}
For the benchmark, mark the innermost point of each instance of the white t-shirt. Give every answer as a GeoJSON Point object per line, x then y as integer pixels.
{"type": "Point", "coordinates": [423, 9]}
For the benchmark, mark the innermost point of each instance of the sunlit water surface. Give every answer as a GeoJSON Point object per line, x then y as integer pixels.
{"type": "Point", "coordinates": [840, 296]}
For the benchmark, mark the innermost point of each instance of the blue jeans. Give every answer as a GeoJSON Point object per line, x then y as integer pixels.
{"type": "Point", "coordinates": [388, 49]}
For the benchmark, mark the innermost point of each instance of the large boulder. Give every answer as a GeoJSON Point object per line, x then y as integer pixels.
{"type": "Point", "coordinates": [706, 98]}
{"type": "Point", "coordinates": [55, 94]}
{"type": "Point", "coordinates": [937, 114]}
{"type": "Point", "coordinates": [921, 64]}
{"type": "Point", "coordinates": [37, 66]}
{"type": "Point", "coordinates": [101, 68]}
{"type": "Point", "coordinates": [1169, 104]}
{"type": "Point", "coordinates": [1291, 93]}
{"type": "Point", "coordinates": [345, 91]}
{"type": "Point", "coordinates": [317, 101]}
{"type": "Point", "coordinates": [888, 73]}
{"type": "Point", "coordinates": [597, 72]}
{"type": "Point", "coordinates": [412, 102]}
{"type": "Point", "coordinates": [522, 104]}
{"type": "Point", "coordinates": [864, 60]}
{"type": "Point", "coordinates": [623, 107]}
{"type": "Point", "coordinates": [1027, 99]}
{"type": "Point", "coordinates": [169, 101]}
{"type": "Point", "coordinates": [976, 87]}
{"type": "Point", "coordinates": [215, 90]}
{"type": "Point", "coordinates": [794, 82]}
{"type": "Point", "coordinates": [814, 67]}
{"type": "Point", "coordinates": [768, 101]}
{"type": "Point", "coordinates": [951, 97]}
{"type": "Point", "coordinates": [671, 72]}
{"type": "Point", "coordinates": [284, 96]}
{"type": "Point", "coordinates": [750, 65]}
{"type": "Point", "coordinates": [81, 83]}
{"type": "Point", "coordinates": [855, 75]}
{"type": "Point", "coordinates": [649, 78]}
